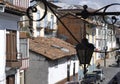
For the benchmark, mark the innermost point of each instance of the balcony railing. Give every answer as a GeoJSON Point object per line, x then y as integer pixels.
{"type": "Point", "coordinates": [14, 63]}
{"type": "Point", "coordinates": [19, 3]}
{"type": "Point", "coordinates": [25, 64]}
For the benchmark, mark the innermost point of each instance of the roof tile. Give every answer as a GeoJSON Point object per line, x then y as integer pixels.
{"type": "Point", "coordinates": [52, 48]}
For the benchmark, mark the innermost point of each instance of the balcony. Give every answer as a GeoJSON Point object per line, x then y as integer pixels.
{"type": "Point", "coordinates": [49, 31]}
{"type": "Point", "coordinates": [25, 64]}
{"type": "Point", "coordinates": [14, 63]}
{"type": "Point", "coordinates": [13, 59]}
{"type": "Point", "coordinates": [16, 7]}
{"type": "Point", "coordinates": [18, 3]}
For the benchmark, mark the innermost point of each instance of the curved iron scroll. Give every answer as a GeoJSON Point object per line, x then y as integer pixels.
{"type": "Point", "coordinates": [33, 9]}
{"type": "Point", "coordinates": [85, 13]}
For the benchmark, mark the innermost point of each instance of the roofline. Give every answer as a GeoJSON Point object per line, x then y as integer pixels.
{"type": "Point", "coordinates": [53, 5]}
{"type": "Point", "coordinates": [70, 9]}
{"type": "Point", "coordinates": [70, 15]}
{"type": "Point", "coordinates": [12, 9]}
{"type": "Point", "coordinates": [51, 58]}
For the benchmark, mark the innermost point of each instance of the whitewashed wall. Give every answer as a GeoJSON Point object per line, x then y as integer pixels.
{"type": "Point", "coordinates": [2, 56]}
{"type": "Point", "coordinates": [44, 22]}
{"type": "Point", "coordinates": [17, 76]}
{"type": "Point", "coordinates": [7, 21]}
{"type": "Point", "coordinates": [59, 72]}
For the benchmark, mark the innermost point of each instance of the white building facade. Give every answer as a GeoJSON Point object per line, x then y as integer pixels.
{"type": "Point", "coordinates": [9, 40]}
{"type": "Point", "coordinates": [7, 22]}
{"type": "Point", "coordinates": [59, 72]}
{"type": "Point", "coordinates": [41, 28]}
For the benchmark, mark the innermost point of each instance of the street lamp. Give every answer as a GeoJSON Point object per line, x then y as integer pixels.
{"type": "Point", "coordinates": [85, 13]}
{"type": "Point", "coordinates": [84, 53]}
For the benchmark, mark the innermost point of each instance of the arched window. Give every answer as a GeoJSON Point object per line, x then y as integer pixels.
{"type": "Point", "coordinates": [38, 17]}
{"type": "Point", "coordinates": [45, 21]}
{"type": "Point", "coordinates": [52, 22]}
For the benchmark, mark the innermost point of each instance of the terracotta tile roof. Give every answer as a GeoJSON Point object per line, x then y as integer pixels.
{"type": "Point", "coordinates": [52, 48]}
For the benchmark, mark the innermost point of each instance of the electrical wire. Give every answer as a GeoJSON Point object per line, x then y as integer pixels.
{"type": "Point", "coordinates": [63, 23]}
{"type": "Point", "coordinates": [47, 5]}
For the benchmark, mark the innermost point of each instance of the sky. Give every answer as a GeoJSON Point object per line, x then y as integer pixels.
{"type": "Point", "coordinates": [96, 4]}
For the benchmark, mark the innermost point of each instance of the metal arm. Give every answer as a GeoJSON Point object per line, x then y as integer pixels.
{"type": "Point", "coordinates": [85, 13]}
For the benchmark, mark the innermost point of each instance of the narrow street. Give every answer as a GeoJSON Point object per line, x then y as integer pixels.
{"type": "Point", "coordinates": [111, 71]}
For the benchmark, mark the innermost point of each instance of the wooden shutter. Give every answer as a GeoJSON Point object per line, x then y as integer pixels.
{"type": "Point", "coordinates": [11, 46]}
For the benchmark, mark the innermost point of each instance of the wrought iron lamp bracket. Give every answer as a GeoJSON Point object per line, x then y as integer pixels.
{"type": "Point", "coordinates": [33, 9]}
{"type": "Point", "coordinates": [85, 13]}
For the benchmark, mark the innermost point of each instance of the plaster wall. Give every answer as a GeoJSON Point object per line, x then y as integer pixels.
{"type": "Point", "coordinates": [2, 56]}
{"type": "Point", "coordinates": [59, 72]}
{"type": "Point", "coordinates": [7, 22]}
{"type": "Point", "coordinates": [37, 73]}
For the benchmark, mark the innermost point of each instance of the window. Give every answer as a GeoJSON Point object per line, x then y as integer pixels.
{"type": "Point", "coordinates": [99, 32]}
{"type": "Point", "coordinates": [46, 21]}
{"type": "Point", "coordinates": [99, 43]}
{"type": "Point", "coordinates": [109, 35]}
{"type": "Point", "coordinates": [50, 25]}
{"type": "Point", "coordinates": [38, 32]}
{"type": "Point", "coordinates": [24, 51]}
{"type": "Point", "coordinates": [38, 17]}
{"type": "Point", "coordinates": [24, 48]}
{"type": "Point", "coordinates": [103, 32]}
{"type": "Point", "coordinates": [103, 43]}
{"type": "Point", "coordinates": [52, 22]}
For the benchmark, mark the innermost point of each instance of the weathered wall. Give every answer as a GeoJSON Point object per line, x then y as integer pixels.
{"type": "Point", "coordinates": [37, 73]}
{"type": "Point", "coordinates": [75, 25]}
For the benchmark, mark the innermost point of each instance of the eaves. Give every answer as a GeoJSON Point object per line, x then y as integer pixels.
{"type": "Point", "coordinates": [12, 9]}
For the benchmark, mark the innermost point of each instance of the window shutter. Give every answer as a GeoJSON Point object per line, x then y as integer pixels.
{"type": "Point", "coordinates": [11, 47]}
